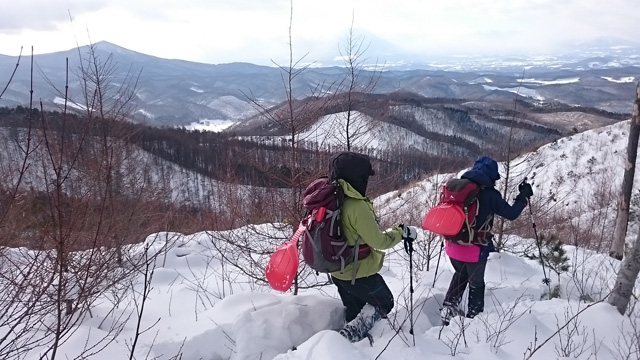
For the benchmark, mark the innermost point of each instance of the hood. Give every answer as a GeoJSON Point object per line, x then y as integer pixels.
{"type": "Point", "coordinates": [484, 172]}
{"type": "Point", "coordinates": [353, 168]}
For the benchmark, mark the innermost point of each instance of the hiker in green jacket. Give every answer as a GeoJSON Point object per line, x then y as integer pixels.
{"type": "Point", "coordinates": [363, 291]}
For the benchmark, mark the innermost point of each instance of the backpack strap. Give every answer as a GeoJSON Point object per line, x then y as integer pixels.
{"type": "Point", "coordinates": [335, 216]}
{"type": "Point", "coordinates": [484, 231]}
{"type": "Point", "coordinates": [355, 260]}
{"type": "Point", "coordinates": [484, 228]}
{"type": "Point", "coordinates": [470, 230]}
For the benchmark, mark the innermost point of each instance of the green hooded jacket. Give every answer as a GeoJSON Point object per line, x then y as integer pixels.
{"type": "Point", "coordinates": [359, 222]}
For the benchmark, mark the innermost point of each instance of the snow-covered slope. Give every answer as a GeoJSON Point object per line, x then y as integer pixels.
{"type": "Point", "coordinates": [366, 133]}
{"type": "Point", "coordinates": [202, 307]}
{"type": "Point", "coordinates": [207, 302]}
{"type": "Point", "coordinates": [179, 185]}
{"type": "Point", "coordinates": [576, 182]}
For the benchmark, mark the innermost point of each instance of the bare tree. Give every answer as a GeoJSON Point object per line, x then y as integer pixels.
{"type": "Point", "coordinates": [23, 282]}
{"type": "Point", "coordinates": [12, 74]}
{"type": "Point", "coordinates": [571, 322]}
{"type": "Point", "coordinates": [351, 93]}
{"type": "Point", "coordinates": [630, 266]}
{"type": "Point", "coordinates": [74, 191]}
{"type": "Point", "coordinates": [293, 117]}
{"type": "Point", "coordinates": [622, 219]}
{"type": "Point", "coordinates": [279, 202]}
{"type": "Point", "coordinates": [625, 281]}
{"type": "Point", "coordinates": [508, 156]}
{"type": "Point", "coordinates": [96, 195]}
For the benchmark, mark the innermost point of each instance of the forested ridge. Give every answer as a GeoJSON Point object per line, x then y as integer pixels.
{"type": "Point", "coordinates": [227, 157]}
{"type": "Point", "coordinates": [223, 157]}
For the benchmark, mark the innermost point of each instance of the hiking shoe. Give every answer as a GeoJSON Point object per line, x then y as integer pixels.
{"type": "Point", "coordinates": [358, 328]}
{"type": "Point", "coordinates": [449, 311]}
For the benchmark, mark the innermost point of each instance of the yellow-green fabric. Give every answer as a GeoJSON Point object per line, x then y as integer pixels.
{"type": "Point", "coordinates": [359, 221]}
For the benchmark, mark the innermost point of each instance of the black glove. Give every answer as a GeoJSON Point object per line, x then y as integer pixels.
{"type": "Point", "coordinates": [525, 192]}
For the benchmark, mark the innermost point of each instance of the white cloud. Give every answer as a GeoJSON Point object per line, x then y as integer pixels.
{"type": "Point", "coordinates": [257, 31]}
{"type": "Point", "coordinates": [44, 15]}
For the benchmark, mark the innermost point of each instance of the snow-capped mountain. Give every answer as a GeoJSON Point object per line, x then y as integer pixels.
{"type": "Point", "coordinates": [180, 93]}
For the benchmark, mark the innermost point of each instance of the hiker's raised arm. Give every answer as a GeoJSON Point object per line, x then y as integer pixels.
{"type": "Point", "coordinates": [509, 212]}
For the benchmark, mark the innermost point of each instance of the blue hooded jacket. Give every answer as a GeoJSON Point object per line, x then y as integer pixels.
{"type": "Point", "coordinates": [485, 173]}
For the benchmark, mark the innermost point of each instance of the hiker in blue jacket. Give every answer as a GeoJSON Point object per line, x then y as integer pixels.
{"type": "Point", "coordinates": [470, 261]}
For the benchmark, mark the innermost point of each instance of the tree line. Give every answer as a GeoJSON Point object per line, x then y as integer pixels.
{"type": "Point", "coordinates": [223, 157]}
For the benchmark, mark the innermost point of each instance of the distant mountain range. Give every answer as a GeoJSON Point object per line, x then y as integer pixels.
{"type": "Point", "coordinates": [178, 93]}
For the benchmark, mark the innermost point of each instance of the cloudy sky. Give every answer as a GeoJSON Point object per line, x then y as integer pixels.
{"type": "Point", "coordinates": [221, 31]}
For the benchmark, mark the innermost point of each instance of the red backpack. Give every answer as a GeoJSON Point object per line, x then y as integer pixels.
{"type": "Point", "coordinates": [455, 216]}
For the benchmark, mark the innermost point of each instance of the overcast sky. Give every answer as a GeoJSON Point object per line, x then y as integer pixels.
{"type": "Point", "coordinates": [222, 31]}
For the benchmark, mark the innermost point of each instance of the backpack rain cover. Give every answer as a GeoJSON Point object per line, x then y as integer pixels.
{"type": "Point", "coordinates": [455, 216]}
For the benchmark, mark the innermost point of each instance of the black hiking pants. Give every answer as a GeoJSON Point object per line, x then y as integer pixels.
{"type": "Point", "coordinates": [371, 289]}
{"type": "Point", "coordinates": [472, 274]}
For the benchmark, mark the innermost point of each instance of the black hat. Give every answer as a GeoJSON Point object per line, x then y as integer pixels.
{"type": "Point", "coordinates": [353, 168]}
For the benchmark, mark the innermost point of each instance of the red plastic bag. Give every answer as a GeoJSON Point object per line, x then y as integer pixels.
{"type": "Point", "coordinates": [283, 264]}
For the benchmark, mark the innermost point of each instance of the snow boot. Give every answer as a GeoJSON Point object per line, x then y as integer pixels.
{"type": "Point", "coordinates": [358, 328]}
{"type": "Point", "coordinates": [449, 311]}
{"type": "Point", "coordinates": [476, 301]}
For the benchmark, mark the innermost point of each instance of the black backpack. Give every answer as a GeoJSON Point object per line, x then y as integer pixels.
{"type": "Point", "coordinates": [324, 247]}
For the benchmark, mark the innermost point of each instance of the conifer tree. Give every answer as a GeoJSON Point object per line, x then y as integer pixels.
{"type": "Point", "coordinates": [555, 256]}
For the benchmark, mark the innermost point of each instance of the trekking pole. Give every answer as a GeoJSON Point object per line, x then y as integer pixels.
{"type": "Point", "coordinates": [545, 280]}
{"type": "Point", "coordinates": [435, 276]}
{"type": "Point", "coordinates": [408, 247]}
